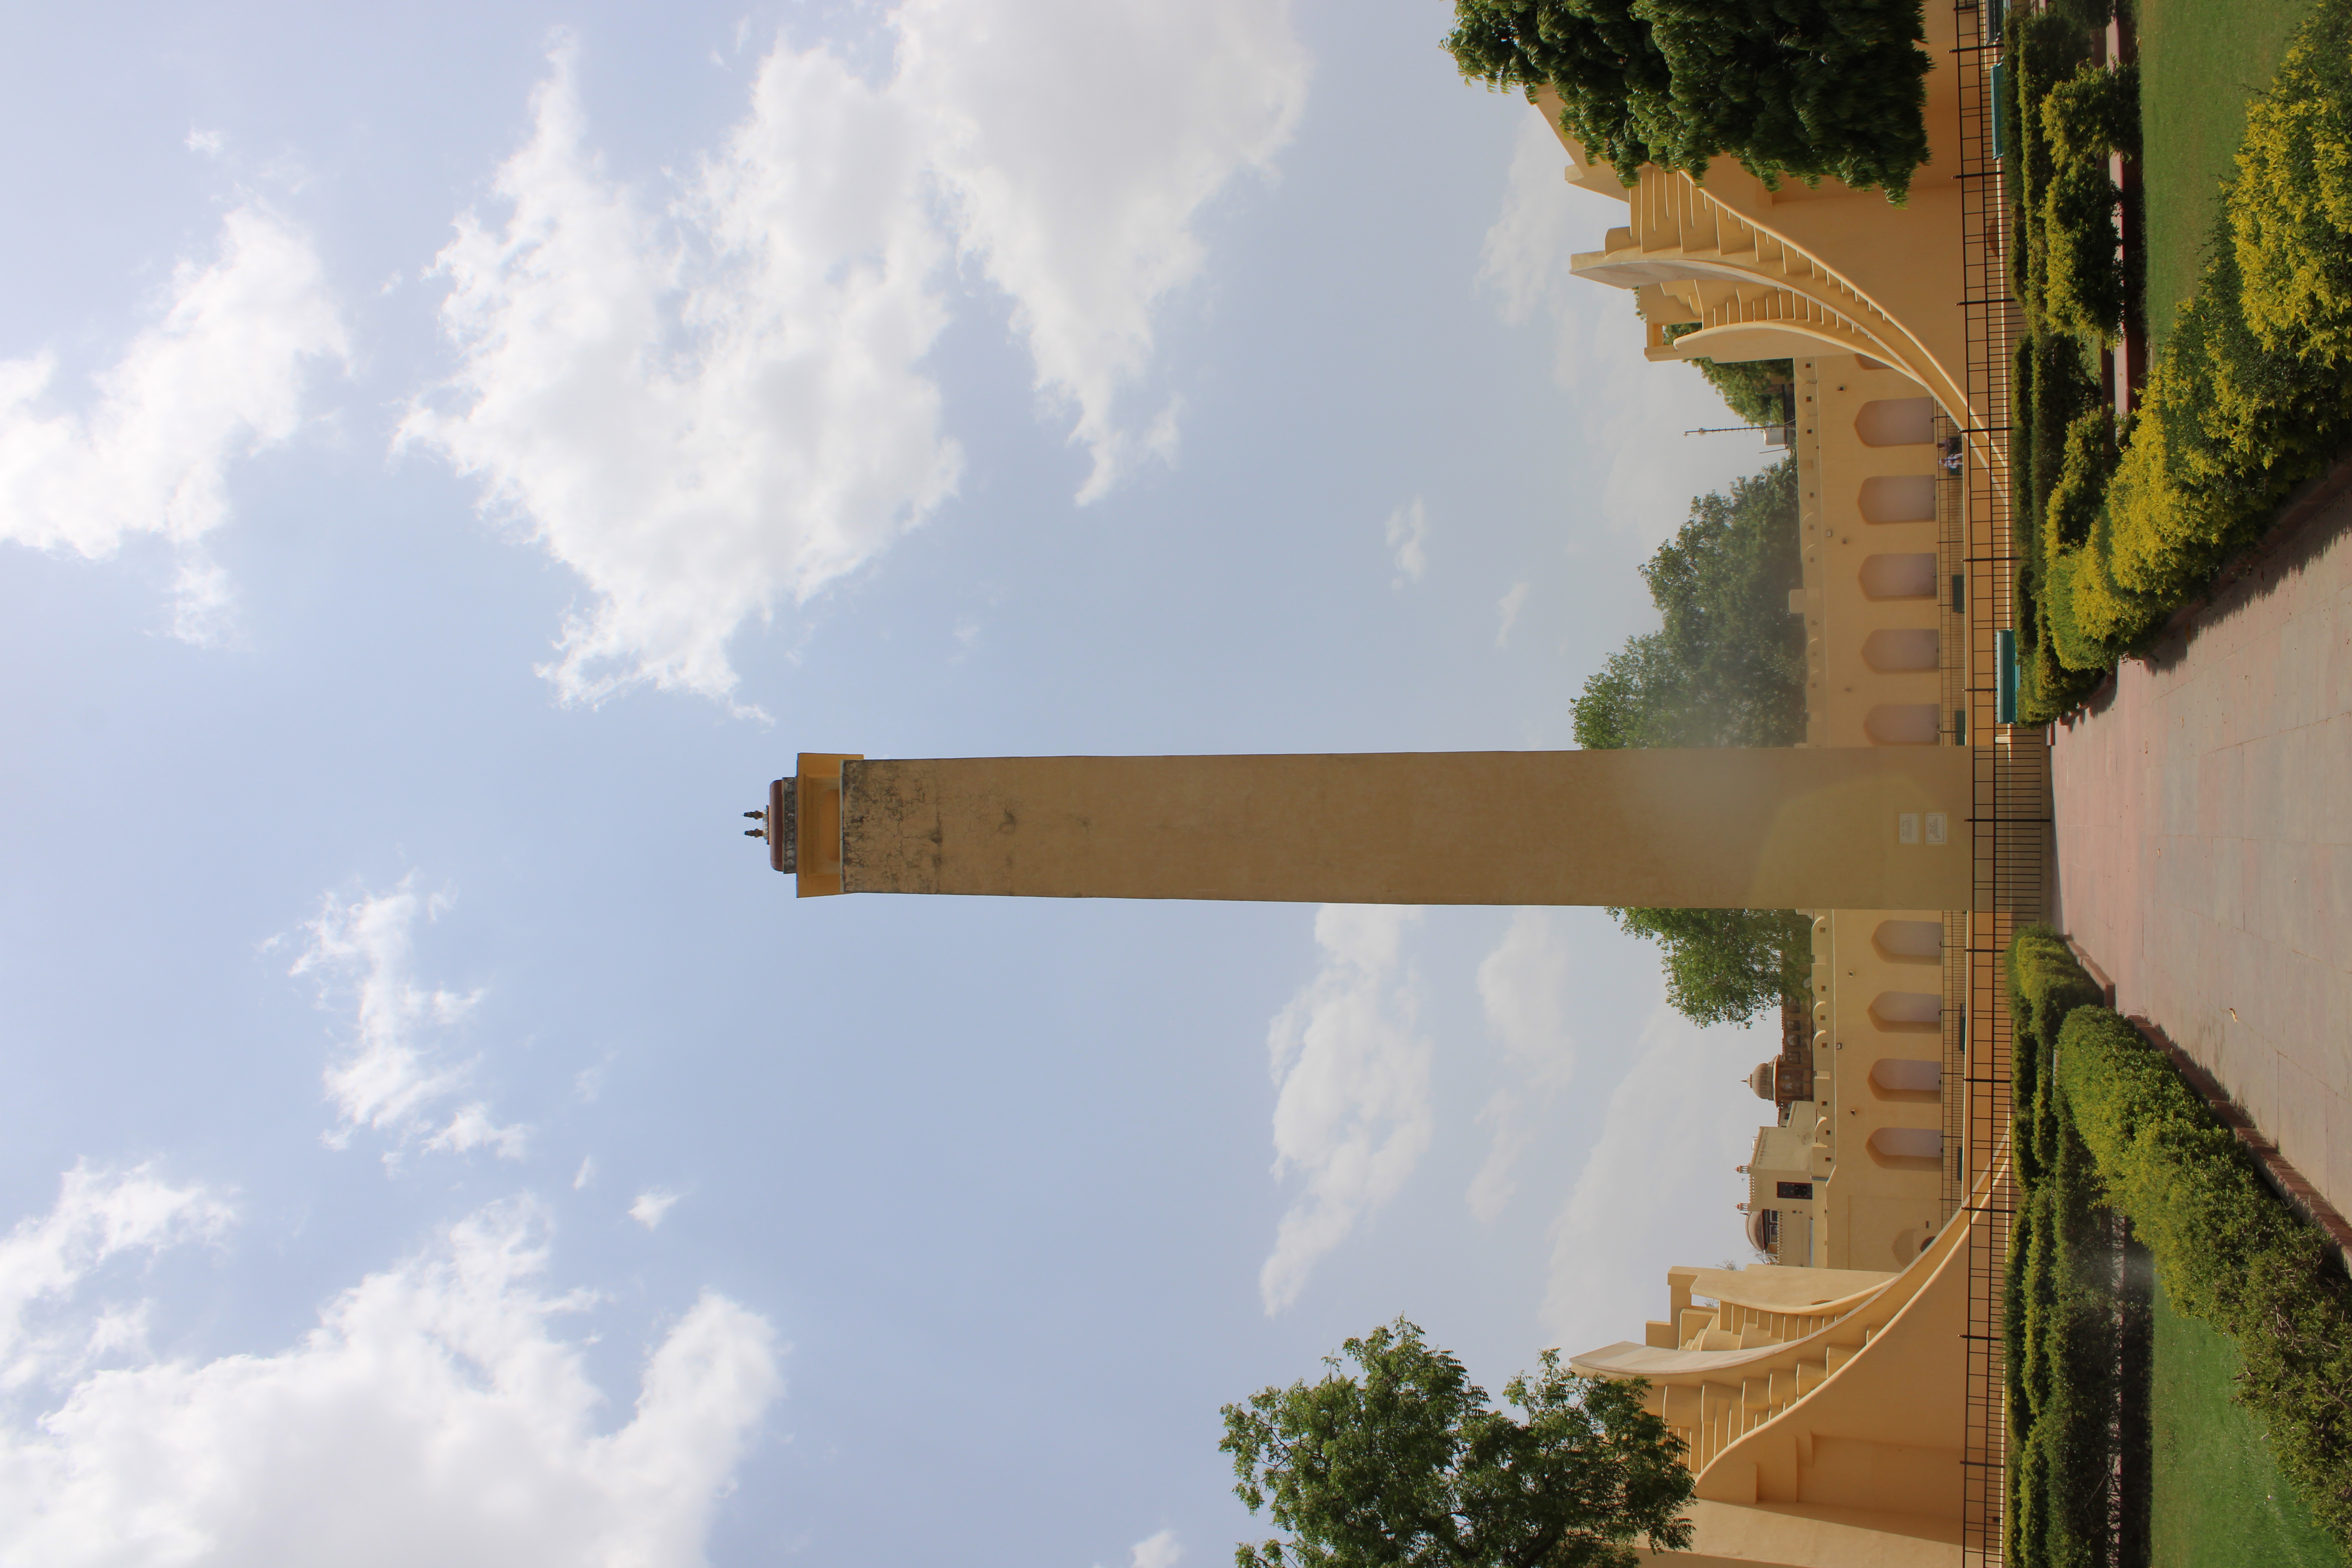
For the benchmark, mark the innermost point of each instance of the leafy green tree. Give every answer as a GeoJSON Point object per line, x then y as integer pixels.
{"type": "Point", "coordinates": [1809, 87]}
{"type": "Point", "coordinates": [1407, 1467]}
{"type": "Point", "coordinates": [1750, 389]}
{"type": "Point", "coordinates": [1726, 667]}
{"type": "Point", "coordinates": [1725, 966]}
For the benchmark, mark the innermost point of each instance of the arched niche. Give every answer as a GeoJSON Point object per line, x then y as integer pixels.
{"type": "Point", "coordinates": [1907, 1144]}
{"type": "Point", "coordinates": [1909, 942]}
{"type": "Point", "coordinates": [1910, 575]}
{"type": "Point", "coordinates": [1907, 1010]}
{"type": "Point", "coordinates": [1896, 422]}
{"type": "Point", "coordinates": [1907, 1076]}
{"type": "Point", "coordinates": [1904, 725]}
{"type": "Point", "coordinates": [1899, 498]}
{"type": "Point", "coordinates": [1893, 650]}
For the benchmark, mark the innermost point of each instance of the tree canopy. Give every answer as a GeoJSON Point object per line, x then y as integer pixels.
{"type": "Point", "coordinates": [1402, 1463]}
{"type": "Point", "coordinates": [1807, 87]}
{"type": "Point", "coordinates": [1726, 667]}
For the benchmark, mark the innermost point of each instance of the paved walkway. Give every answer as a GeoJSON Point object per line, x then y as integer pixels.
{"type": "Point", "coordinates": [2204, 827]}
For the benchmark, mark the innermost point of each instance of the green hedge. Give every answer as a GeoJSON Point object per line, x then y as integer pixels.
{"type": "Point", "coordinates": [2252, 393]}
{"type": "Point", "coordinates": [2230, 1251]}
{"type": "Point", "coordinates": [2065, 1326]}
{"type": "Point", "coordinates": [2063, 115]}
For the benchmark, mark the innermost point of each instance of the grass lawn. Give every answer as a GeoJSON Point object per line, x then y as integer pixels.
{"type": "Point", "coordinates": [2218, 1502]}
{"type": "Point", "coordinates": [2199, 61]}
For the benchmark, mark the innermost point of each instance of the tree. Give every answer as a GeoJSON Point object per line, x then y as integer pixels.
{"type": "Point", "coordinates": [1811, 88]}
{"type": "Point", "coordinates": [1726, 667]}
{"type": "Point", "coordinates": [1725, 966]}
{"type": "Point", "coordinates": [1407, 1465]}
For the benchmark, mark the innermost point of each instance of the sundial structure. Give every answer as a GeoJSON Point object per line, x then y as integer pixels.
{"type": "Point", "coordinates": [1797, 827]}
{"type": "Point", "coordinates": [1842, 1404]}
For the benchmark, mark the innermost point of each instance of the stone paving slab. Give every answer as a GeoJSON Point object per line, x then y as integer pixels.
{"type": "Point", "coordinates": [2204, 830]}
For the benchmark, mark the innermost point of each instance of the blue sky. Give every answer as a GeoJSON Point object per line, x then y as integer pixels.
{"type": "Point", "coordinates": [452, 456]}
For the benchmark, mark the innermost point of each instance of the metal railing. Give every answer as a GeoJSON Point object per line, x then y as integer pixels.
{"type": "Point", "coordinates": [2011, 797]}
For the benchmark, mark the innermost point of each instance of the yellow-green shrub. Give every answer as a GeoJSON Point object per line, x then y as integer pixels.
{"type": "Point", "coordinates": [2082, 278]}
{"type": "Point", "coordinates": [2252, 393]}
{"type": "Point", "coordinates": [2291, 212]}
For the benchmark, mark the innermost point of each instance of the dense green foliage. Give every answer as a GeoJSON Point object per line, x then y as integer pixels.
{"type": "Point", "coordinates": [1726, 667]}
{"type": "Point", "coordinates": [1725, 966]}
{"type": "Point", "coordinates": [1750, 389]}
{"type": "Point", "coordinates": [2251, 395]}
{"type": "Point", "coordinates": [2064, 115]}
{"type": "Point", "coordinates": [2071, 1332]}
{"type": "Point", "coordinates": [1812, 88]}
{"type": "Point", "coordinates": [1403, 1462]}
{"type": "Point", "coordinates": [2230, 1252]}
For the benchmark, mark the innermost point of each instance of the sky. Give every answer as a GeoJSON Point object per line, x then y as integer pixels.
{"type": "Point", "coordinates": [453, 456]}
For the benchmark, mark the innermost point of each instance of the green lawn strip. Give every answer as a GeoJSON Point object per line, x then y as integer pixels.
{"type": "Point", "coordinates": [2220, 1500]}
{"type": "Point", "coordinates": [2200, 61]}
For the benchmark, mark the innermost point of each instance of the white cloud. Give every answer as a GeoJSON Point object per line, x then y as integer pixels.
{"type": "Point", "coordinates": [98, 1215]}
{"type": "Point", "coordinates": [1658, 1188]}
{"type": "Point", "coordinates": [1353, 1114]}
{"type": "Point", "coordinates": [1081, 140]}
{"type": "Point", "coordinates": [713, 404]}
{"type": "Point", "coordinates": [1635, 411]}
{"type": "Point", "coordinates": [389, 1078]}
{"type": "Point", "coordinates": [221, 376]}
{"type": "Point", "coordinates": [702, 414]}
{"type": "Point", "coordinates": [1407, 531]}
{"type": "Point", "coordinates": [1524, 985]}
{"type": "Point", "coordinates": [432, 1416]}
{"type": "Point", "coordinates": [1507, 609]}
{"type": "Point", "coordinates": [653, 1206]}
{"type": "Point", "coordinates": [586, 1175]}
{"type": "Point", "coordinates": [1156, 1550]}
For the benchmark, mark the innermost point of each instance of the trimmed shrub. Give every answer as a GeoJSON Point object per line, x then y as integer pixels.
{"type": "Point", "coordinates": [2251, 395]}
{"type": "Point", "coordinates": [2063, 1324]}
{"type": "Point", "coordinates": [2083, 273]}
{"type": "Point", "coordinates": [2083, 474]}
{"type": "Point", "coordinates": [2069, 519]}
{"type": "Point", "coordinates": [2290, 218]}
{"type": "Point", "coordinates": [2046, 982]}
{"type": "Point", "coordinates": [2230, 1252]}
{"type": "Point", "coordinates": [2094, 112]}
{"type": "Point", "coordinates": [2084, 117]}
